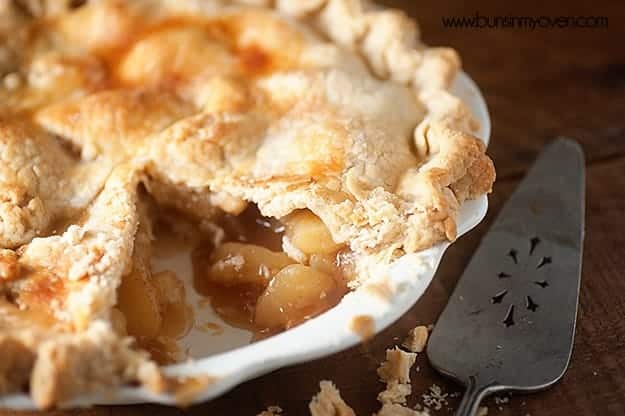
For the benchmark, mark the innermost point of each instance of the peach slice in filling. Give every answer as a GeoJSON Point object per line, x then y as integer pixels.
{"type": "Point", "coordinates": [153, 309]}
{"type": "Point", "coordinates": [264, 290]}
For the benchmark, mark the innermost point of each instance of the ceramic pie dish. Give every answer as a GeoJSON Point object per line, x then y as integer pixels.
{"type": "Point", "coordinates": [179, 179]}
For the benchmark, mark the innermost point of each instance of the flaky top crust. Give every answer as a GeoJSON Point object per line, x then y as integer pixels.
{"type": "Point", "coordinates": [330, 105]}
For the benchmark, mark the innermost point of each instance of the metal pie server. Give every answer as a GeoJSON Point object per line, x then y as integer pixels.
{"type": "Point", "coordinates": [510, 322]}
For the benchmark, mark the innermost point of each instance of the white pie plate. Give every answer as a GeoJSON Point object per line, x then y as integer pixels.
{"type": "Point", "coordinates": [230, 359]}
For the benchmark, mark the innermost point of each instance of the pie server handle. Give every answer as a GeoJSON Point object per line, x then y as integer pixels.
{"type": "Point", "coordinates": [471, 399]}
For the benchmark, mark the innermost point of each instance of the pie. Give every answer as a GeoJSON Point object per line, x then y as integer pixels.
{"type": "Point", "coordinates": [306, 143]}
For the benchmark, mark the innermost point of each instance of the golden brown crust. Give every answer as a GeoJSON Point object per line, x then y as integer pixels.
{"type": "Point", "coordinates": [95, 360]}
{"type": "Point", "coordinates": [115, 122]}
{"type": "Point", "coordinates": [329, 105]}
{"type": "Point", "coordinates": [62, 298]}
{"type": "Point", "coordinates": [40, 183]}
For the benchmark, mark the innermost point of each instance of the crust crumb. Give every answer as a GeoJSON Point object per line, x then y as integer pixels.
{"type": "Point", "coordinates": [395, 393]}
{"type": "Point", "coordinates": [271, 411]}
{"type": "Point", "coordinates": [390, 409]}
{"type": "Point", "coordinates": [397, 366]}
{"type": "Point", "coordinates": [395, 371]}
{"type": "Point", "coordinates": [435, 398]}
{"type": "Point", "coordinates": [328, 402]}
{"type": "Point", "coordinates": [417, 339]}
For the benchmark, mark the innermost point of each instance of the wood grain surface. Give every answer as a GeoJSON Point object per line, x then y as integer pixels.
{"type": "Point", "coordinates": [538, 84]}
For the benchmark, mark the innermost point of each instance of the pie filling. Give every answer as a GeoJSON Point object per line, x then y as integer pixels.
{"type": "Point", "coordinates": [253, 284]}
{"type": "Point", "coordinates": [240, 267]}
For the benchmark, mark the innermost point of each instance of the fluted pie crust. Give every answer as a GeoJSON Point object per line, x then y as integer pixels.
{"type": "Point", "coordinates": [334, 106]}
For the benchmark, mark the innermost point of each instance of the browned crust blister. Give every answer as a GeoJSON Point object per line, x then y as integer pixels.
{"type": "Point", "coordinates": [330, 105]}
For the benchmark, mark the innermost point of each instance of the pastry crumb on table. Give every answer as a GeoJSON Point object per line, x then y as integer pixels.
{"type": "Point", "coordinates": [417, 339]}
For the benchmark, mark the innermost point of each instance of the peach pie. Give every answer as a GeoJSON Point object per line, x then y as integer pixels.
{"type": "Point", "coordinates": [299, 145]}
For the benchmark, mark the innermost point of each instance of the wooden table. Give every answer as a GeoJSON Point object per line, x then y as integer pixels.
{"type": "Point", "coordinates": [538, 84]}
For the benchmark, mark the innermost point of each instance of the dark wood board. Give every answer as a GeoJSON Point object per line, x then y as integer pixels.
{"type": "Point", "coordinates": [538, 84]}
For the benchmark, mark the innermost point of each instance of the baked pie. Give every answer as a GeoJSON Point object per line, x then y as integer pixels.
{"type": "Point", "coordinates": [301, 145]}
